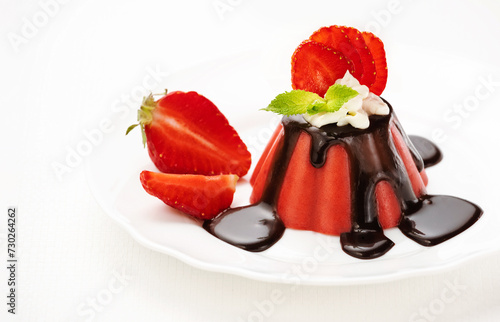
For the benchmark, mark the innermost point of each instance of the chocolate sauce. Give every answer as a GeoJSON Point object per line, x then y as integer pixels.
{"type": "Point", "coordinates": [254, 228]}
{"type": "Point", "coordinates": [417, 158]}
{"type": "Point", "coordinates": [428, 151]}
{"type": "Point", "coordinates": [428, 220]}
{"type": "Point", "coordinates": [365, 244]}
{"type": "Point", "coordinates": [439, 219]}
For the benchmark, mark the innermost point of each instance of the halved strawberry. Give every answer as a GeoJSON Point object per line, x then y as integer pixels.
{"type": "Point", "coordinates": [200, 196]}
{"type": "Point", "coordinates": [186, 133]}
{"type": "Point", "coordinates": [335, 38]}
{"type": "Point", "coordinates": [316, 67]}
{"type": "Point", "coordinates": [376, 47]}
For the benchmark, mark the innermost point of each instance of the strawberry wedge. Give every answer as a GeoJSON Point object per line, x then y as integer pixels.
{"type": "Point", "coordinates": [200, 196]}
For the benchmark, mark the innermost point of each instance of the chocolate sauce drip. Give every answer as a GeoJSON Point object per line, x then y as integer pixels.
{"type": "Point", "coordinates": [417, 158]}
{"type": "Point", "coordinates": [280, 164]}
{"type": "Point", "coordinates": [438, 219]}
{"type": "Point", "coordinates": [373, 157]}
{"type": "Point", "coordinates": [430, 153]}
{"type": "Point", "coordinates": [366, 244]}
{"type": "Point", "coordinates": [254, 228]}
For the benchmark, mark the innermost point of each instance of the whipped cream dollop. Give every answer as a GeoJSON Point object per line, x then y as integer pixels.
{"type": "Point", "coordinates": [356, 111]}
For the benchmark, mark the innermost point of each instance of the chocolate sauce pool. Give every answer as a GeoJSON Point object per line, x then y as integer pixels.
{"type": "Point", "coordinates": [428, 220]}
{"type": "Point", "coordinates": [428, 151]}
{"type": "Point", "coordinates": [254, 228]}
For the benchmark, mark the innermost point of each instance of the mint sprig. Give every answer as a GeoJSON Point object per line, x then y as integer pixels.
{"type": "Point", "coordinates": [337, 95]}
{"type": "Point", "coordinates": [301, 102]}
{"type": "Point", "coordinates": [295, 102]}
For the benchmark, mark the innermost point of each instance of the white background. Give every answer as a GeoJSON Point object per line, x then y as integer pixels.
{"type": "Point", "coordinates": [65, 67]}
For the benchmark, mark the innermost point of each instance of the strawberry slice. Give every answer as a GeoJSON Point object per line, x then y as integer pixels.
{"type": "Point", "coordinates": [364, 53]}
{"type": "Point", "coordinates": [200, 196]}
{"type": "Point", "coordinates": [336, 38]}
{"type": "Point", "coordinates": [357, 40]}
{"type": "Point", "coordinates": [316, 67]}
{"type": "Point", "coordinates": [186, 133]}
{"type": "Point", "coordinates": [376, 47]}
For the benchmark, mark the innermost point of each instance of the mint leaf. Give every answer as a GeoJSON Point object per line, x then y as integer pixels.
{"type": "Point", "coordinates": [300, 102]}
{"type": "Point", "coordinates": [296, 102]}
{"type": "Point", "coordinates": [337, 95]}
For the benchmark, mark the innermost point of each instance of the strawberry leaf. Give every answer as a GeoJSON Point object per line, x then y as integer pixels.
{"type": "Point", "coordinates": [144, 116]}
{"type": "Point", "coordinates": [130, 128]}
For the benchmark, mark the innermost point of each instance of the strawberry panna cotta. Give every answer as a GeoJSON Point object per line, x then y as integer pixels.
{"type": "Point", "coordinates": [339, 163]}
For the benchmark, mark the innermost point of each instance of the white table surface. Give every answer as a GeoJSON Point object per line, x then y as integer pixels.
{"type": "Point", "coordinates": [66, 65]}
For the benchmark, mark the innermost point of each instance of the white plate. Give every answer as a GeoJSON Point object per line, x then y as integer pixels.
{"type": "Point", "coordinates": [300, 257]}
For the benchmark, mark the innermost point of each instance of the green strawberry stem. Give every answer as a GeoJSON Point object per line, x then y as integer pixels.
{"type": "Point", "coordinates": [145, 115]}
